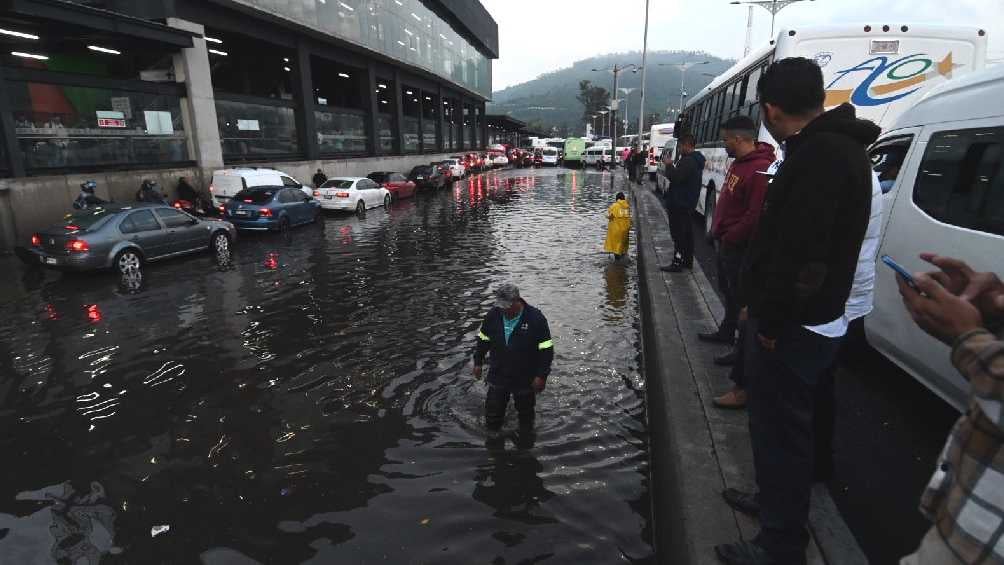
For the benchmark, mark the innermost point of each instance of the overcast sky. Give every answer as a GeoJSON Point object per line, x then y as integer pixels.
{"type": "Point", "coordinates": [538, 36]}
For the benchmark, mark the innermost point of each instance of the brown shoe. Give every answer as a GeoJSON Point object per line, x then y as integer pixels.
{"type": "Point", "coordinates": [734, 399]}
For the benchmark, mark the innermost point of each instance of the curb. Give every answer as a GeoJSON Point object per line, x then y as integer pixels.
{"type": "Point", "coordinates": [696, 449]}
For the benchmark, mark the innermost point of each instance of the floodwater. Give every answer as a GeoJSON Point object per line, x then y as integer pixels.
{"type": "Point", "coordinates": [311, 401]}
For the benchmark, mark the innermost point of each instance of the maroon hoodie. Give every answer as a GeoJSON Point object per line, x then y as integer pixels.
{"type": "Point", "coordinates": [742, 196]}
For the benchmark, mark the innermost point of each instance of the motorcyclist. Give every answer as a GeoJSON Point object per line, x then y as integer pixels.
{"type": "Point", "coordinates": [196, 204]}
{"type": "Point", "coordinates": [149, 191]}
{"type": "Point", "coordinates": [87, 199]}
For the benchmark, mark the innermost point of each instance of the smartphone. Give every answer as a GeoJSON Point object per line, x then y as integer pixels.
{"type": "Point", "coordinates": [907, 277]}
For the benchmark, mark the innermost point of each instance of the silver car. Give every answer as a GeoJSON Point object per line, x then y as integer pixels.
{"type": "Point", "coordinates": [124, 237]}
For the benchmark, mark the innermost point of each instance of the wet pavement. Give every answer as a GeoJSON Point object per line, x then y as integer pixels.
{"type": "Point", "coordinates": [310, 400]}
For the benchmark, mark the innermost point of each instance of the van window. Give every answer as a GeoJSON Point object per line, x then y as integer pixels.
{"type": "Point", "coordinates": [960, 181]}
{"type": "Point", "coordinates": [887, 158]}
{"type": "Point", "coordinates": [288, 182]}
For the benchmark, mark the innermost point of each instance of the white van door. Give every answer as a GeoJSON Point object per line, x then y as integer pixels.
{"type": "Point", "coordinates": [949, 200]}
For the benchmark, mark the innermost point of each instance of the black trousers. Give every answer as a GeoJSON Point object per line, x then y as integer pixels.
{"type": "Point", "coordinates": [681, 228]}
{"type": "Point", "coordinates": [729, 261]}
{"type": "Point", "coordinates": [782, 397]}
{"type": "Point", "coordinates": [497, 401]}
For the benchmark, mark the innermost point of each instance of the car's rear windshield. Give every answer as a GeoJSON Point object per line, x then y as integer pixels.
{"type": "Point", "coordinates": [88, 219]}
{"type": "Point", "coordinates": [337, 184]}
{"type": "Point", "coordinates": [378, 178]}
{"type": "Point", "coordinates": [256, 196]}
{"type": "Point", "coordinates": [421, 170]}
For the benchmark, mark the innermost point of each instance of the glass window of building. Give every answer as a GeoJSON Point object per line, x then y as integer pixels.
{"type": "Point", "coordinates": [412, 110]}
{"type": "Point", "coordinates": [251, 132]}
{"type": "Point", "coordinates": [73, 127]}
{"type": "Point", "coordinates": [430, 117]}
{"type": "Point", "coordinates": [450, 129]}
{"type": "Point", "coordinates": [249, 66]}
{"type": "Point", "coordinates": [340, 113]}
{"type": "Point", "coordinates": [469, 121]}
{"type": "Point", "coordinates": [385, 116]}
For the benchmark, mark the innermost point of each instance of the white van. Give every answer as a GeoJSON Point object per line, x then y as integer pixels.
{"type": "Point", "coordinates": [228, 182]}
{"type": "Point", "coordinates": [943, 164]}
{"type": "Point", "coordinates": [593, 156]}
{"type": "Point", "coordinates": [549, 157]}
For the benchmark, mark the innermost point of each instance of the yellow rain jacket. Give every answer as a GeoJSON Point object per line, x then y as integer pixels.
{"type": "Point", "coordinates": [619, 228]}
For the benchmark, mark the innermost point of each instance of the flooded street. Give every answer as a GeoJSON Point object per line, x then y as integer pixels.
{"type": "Point", "coordinates": [312, 401]}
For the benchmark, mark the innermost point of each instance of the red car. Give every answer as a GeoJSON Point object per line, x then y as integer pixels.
{"type": "Point", "coordinates": [398, 185]}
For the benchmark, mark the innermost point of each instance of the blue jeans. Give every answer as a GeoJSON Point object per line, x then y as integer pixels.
{"type": "Point", "coordinates": [782, 388]}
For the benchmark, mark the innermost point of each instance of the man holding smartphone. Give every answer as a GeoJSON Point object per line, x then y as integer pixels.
{"type": "Point", "coordinates": [963, 499]}
{"type": "Point", "coordinates": [797, 275]}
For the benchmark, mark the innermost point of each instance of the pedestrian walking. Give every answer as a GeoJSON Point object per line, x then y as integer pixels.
{"type": "Point", "coordinates": [736, 215]}
{"type": "Point", "coordinates": [798, 272]}
{"type": "Point", "coordinates": [955, 305]}
{"type": "Point", "coordinates": [685, 179]}
{"type": "Point", "coordinates": [631, 164]}
{"type": "Point", "coordinates": [319, 178]}
{"type": "Point", "coordinates": [618, 227]}
{"type": "Point", "coordinates": [517, 341]}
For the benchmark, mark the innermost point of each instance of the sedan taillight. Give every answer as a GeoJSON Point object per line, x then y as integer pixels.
{"type": "Point", "coordinates": [342, 194]}
{"type": "Point", "coordinates": [77, 246]}
{"type": "Point", "coordinates": [317, 194]}
{"type": "Point", "coordinates": [36, 240]}
{"type": "Point", "coordinates": [265, 213]}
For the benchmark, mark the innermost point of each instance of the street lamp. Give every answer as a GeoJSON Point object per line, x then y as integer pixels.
{"type": "Point", "coordinates": [627, 92]}
{"type": "Point", "coordinates": [772, 6]}
{"type": "Point", "coordinates": [683, 67]}
{"type": "Point", "coordinates": [616, 70]}
{"type": "Point", "coordinates": [603, 122]}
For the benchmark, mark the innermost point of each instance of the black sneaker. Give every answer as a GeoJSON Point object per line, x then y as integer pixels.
{"type": "Point", "coordinates": [676, 266]}
{"type": "Point", "coordinates": [727, 360]}
{"type": "Point", "coordinates": [717, 337]}
{"type": "Point", "coordinates": [742, 501]}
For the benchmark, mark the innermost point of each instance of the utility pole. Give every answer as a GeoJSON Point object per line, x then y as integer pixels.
{"type": "Point", "coordinates": [772, 6]}
{"type": "Point", "coordinates": [644, 56]}
{"type": "Point", "coordinates": [616, 70]}
{"type": "Point", "coordinates": [749, 32]}
{"type": "Point", "coordinates": [627, 92]}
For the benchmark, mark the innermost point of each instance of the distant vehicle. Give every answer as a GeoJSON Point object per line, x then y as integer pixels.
{"type": "Point", "coordinates": [499, 159]}
{"type": "Point", "coordinates": [882, 70]}
{"type": "Point", "coordinates": [228, 182]}
{"type": "Point", "coordinates": [548, 157]}
{"type": "Point", "coordinates": [574, 148]}
{"type": "Point", "coordinates": [944, 159]}
{"type": "Point", "coordinates": [124, 237]}
{"type": "Point", "coordinates": [271, 208]}
{"type": "Point", "coordinates": [427, 176]}
{"type": "Point", "coordinates": [398, 185]}
{"type": "Point", "coordinates": [352, 193]}
{"type": "Point", "coordinates": [457, 167]}
{"type": "Point", "coordinates": [444, 168]}
{"type": "Point", "coordinates": [594, 155]}
{"type": "Point", "coordinates": [659, 136]}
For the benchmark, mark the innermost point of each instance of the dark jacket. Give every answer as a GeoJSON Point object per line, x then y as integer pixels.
{"type": "Point", "coordinates": [801, 262]}
{"type": "Point", "coordinates": [319, 179]}
{"type": "Point", "coordinates": [741, 197]}
{"type": "Point", "coordinates": [527, 355]}
{"type": "Point", "coordinates": [685, 181]}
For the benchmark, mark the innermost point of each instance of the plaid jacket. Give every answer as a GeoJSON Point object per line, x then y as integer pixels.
{"type": "Point", "coordinates": [965, 498]}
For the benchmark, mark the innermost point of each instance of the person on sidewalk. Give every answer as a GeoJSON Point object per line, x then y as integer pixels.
{"type": "Point", "coordinates": [685, 177]}
{"type": "Point", "coordinates": [618, 227]}
{"type": "Point", "coordinates": [517, 337]}
{"type": "Point", "coordinates": [319, 178]}
{"type": "Point", "coordinates": [798, 272]}
{"type": "Point", "coordinates": [736, 215]}
{"type": "Point", "coordinates": [963, 499]}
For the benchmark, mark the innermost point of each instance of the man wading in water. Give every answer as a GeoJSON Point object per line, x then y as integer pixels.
{"type": "Point", "coordinates": [519, 340]}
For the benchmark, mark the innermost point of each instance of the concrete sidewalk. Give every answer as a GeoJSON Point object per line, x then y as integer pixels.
{"type": "Point", "coordinates": [696, 449]}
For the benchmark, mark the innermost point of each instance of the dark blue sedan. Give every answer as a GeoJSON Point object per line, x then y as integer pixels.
{"type": "Point", "coordinates": [271, 208]}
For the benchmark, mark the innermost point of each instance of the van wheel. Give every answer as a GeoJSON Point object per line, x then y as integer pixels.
{"type": "Point", "coordinates": [128, 261]}
{"type": "Point", "coordinates": [709, 209]}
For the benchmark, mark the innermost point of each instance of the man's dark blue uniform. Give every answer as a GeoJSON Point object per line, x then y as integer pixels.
{"type": "Point", "coordinates": [518, 367]}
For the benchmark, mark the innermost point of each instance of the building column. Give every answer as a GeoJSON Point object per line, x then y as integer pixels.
{"type": "Point", "coordinates": [373, 129]}
{"type": "Point", "coordinates": [9, 135]}
{"type": "Point", "coordinates": [191, 66]}
{"type": "Point", "coordinates": [398, 113]}
{"type": "Point", "coordinates": [483, 121]}
{"type": "Point", "coordinates": [306, 122]}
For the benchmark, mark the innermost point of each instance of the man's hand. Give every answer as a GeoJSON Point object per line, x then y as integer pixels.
{"type": "Point", "coordinates": [767, 343]}
{"type": "Point", "coordinates": [477, 372]}
{"type": "Point", "coordinates": [983, 290]}
{"type": "Point", "coordinates": [744, 314]}
{"type": "Point", "coordinates": [937, 311]}
{"type": "Point", "coordinates": [538, 384]}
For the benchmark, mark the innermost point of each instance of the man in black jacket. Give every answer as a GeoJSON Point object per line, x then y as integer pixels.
{"type": "Point", "coordinates": [796, 278]}
{"type": "Point", "coordinates": [519, 340]}
{"type": "Point", "coordinates": [685, 178]}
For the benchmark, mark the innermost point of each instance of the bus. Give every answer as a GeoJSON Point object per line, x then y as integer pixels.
{"type": "Point", "coordinates": [882, 70]}
{"type": "Point", "coordinates": [574, 147]}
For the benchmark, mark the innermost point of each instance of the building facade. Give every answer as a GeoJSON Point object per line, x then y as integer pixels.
{"type": "Point", "coordinates": [120, 90]}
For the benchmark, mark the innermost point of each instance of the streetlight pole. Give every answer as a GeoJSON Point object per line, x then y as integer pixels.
{"type": "Point", "coordinates": [616, 70]}
{"type": "Point", "coordinates": [683, 67]}
{"type": "Point", "coordinates": [772, 6]}
{"type": "Point", "coordinates": [603, 122]}
{"type": "Point", "coordinates": [644, 56]}
{"type": "Point", "coordinates": [627, 92]}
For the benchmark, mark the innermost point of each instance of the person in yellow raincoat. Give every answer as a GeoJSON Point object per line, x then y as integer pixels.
{"type": "Point", "coordinates": [619, 228]}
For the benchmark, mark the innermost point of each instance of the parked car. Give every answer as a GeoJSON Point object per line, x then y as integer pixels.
{"type": "Point", "coordinates": [352, 193]}
{"type": "Point", "coordinates": [457, 167]}
{"type": "Point", "coordinates": [398, 185]}
{"type": "Point", "coordinates": [124, 237]}
{"type": "Point", "coordinates": [271, 208]}
{"type": "Point", "coordinates": [476, 162]}
{"type": "Point", "coordinates": [499, 159]}
{"type": "Point", "coordinates": [942, 165]}
{"type": "Point", "coordinates": [445, 170]}
{"type": "Point", "coordinates": [427, 176]}
{"type": "Point", "coordinates": [228, 182]}
{"type": "Point", "coordinates": [548, 157]}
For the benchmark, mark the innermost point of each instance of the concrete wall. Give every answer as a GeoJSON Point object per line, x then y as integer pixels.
{"type": "Point", "coordinates": [29, 204]}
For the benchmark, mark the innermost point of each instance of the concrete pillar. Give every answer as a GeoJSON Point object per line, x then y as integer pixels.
{"type": "Point", "coordinates": [306, 123]}
{"type": "Point", "coordinates": [192, 67]}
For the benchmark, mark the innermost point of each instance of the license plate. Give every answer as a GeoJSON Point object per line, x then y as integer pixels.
{"type": "Point", "coordinates": [49, 260]}
{"type": "Point", "coordinates": [419, 178]}
{"type": "Point", "coordinates": [328, 197]}
{"type": "Point", "coordinates": [240, 213]}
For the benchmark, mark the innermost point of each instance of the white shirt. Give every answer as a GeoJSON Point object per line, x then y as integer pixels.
{"type": "Point", "coordinates": [862, 297]}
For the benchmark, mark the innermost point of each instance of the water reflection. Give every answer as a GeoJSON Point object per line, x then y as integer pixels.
{"type": "Point", "coordinates": [511, 484]}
